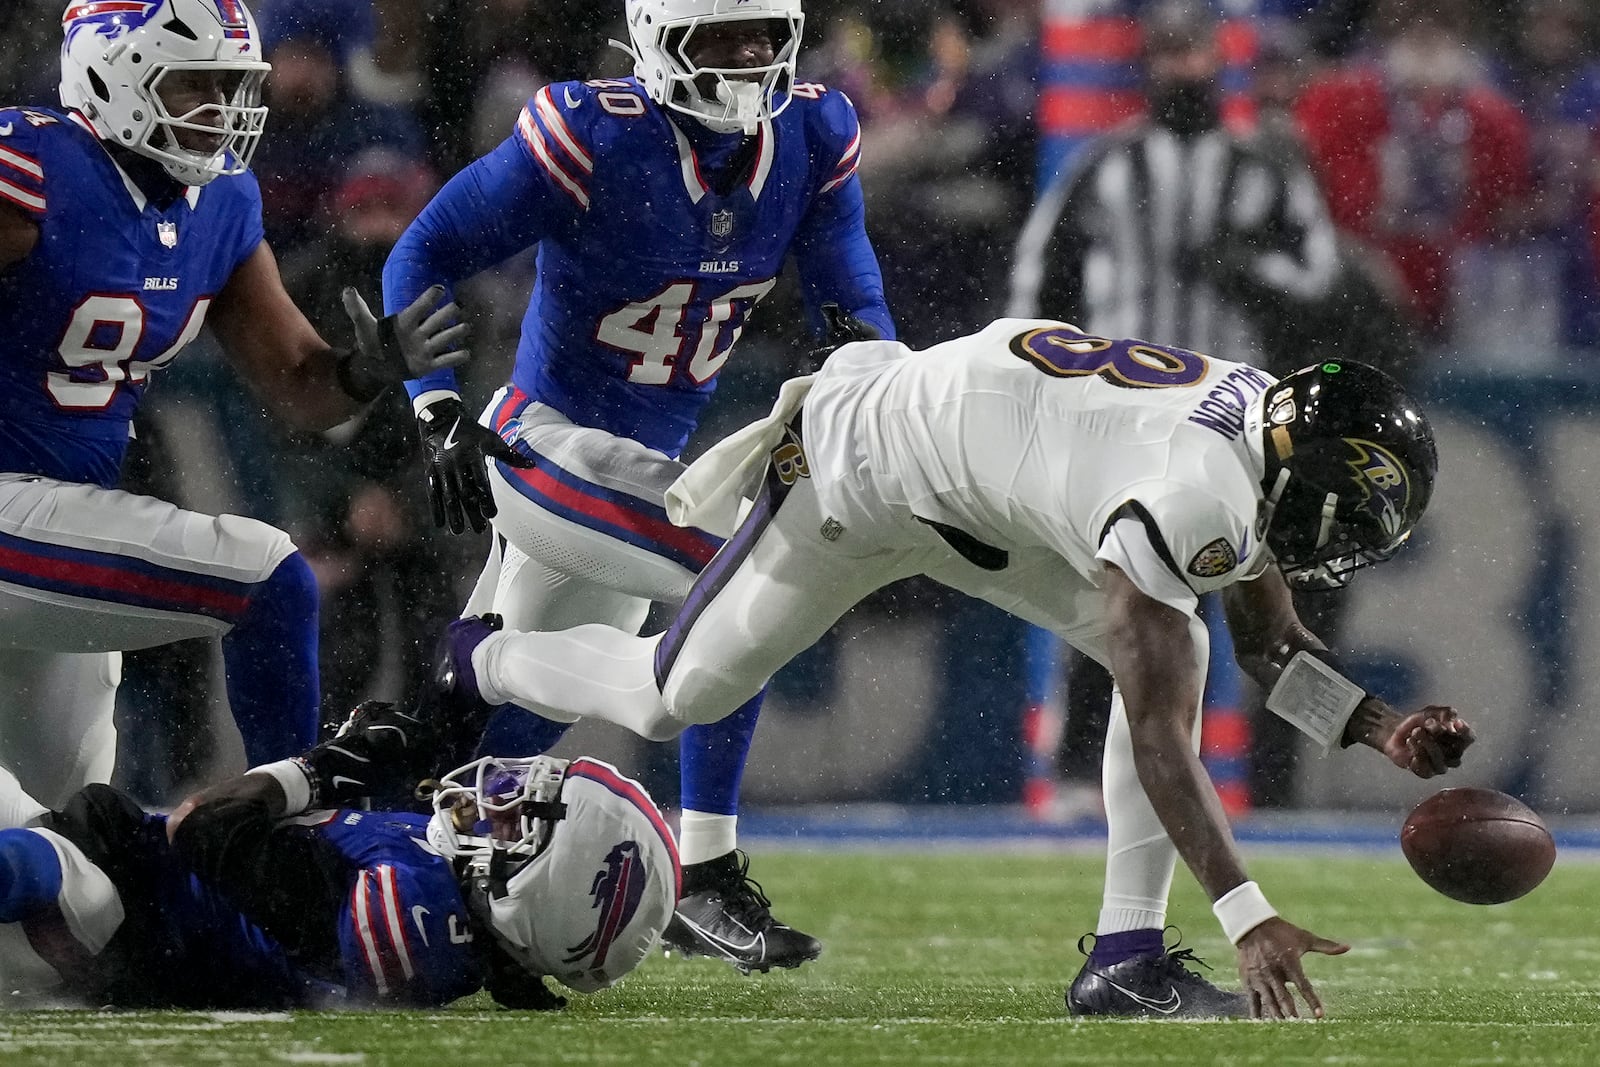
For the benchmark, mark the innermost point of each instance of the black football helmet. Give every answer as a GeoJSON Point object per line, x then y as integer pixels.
{"type": "Point", "coordinates": [1350, 468]}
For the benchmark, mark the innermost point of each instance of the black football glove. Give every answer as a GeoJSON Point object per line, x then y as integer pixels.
{"type": "Point", "coordinates": [378, 750]}
{"type": "Point", "coordinates": [411, 344]}
{"type": "Point", "coordinates": [841, 328]}
{"type": "Point", "coordinates": [457, 450]}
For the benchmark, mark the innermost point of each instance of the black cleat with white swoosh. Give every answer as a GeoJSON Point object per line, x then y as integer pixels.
{"type": "Point", "coordinates": [725, 915]}
{"type": "Point", "coordinates": [1156, 987]}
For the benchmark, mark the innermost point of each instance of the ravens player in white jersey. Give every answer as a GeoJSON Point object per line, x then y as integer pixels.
{"type": "Point", "coordinates": [1094, 486]}
{"type": "Point", "coordinates": [265, 891]}
{"type": "Point", "coordinates": [128, 221]}
{"type": "Point", "coordinates": [664, 207]}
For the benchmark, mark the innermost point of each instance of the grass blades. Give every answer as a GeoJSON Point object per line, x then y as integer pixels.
{"type": "Point", "coordinates": [962, 958]}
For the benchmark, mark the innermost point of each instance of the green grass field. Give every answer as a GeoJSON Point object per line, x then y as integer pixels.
{"type": "Point", "coordinates": [961, 958]}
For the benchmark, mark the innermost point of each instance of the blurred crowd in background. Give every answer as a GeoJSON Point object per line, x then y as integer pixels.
{"type": "Point", "coordinates": [1455, 141]}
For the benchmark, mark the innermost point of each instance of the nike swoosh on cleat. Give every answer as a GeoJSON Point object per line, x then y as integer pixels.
{"type": "Point", "coordinates": [723, 945]}
{"type": "Point", "coordinates": [1166, 1006]}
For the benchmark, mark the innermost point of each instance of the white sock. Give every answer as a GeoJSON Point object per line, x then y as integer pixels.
{"type": "Point", "coordinates": [703, 836]}
{"type": "Point", "coordinates": [1140, 858]}
{"type": "Point", "coordinates": [589, 672]}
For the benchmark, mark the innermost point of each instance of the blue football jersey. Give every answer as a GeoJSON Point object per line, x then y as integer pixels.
{"type": "Point", "coordinates": [647, 273]}
{"type": "Point", "coordinates": [115, 288]}
{"type": "Point", "coordinates": [404, 931]}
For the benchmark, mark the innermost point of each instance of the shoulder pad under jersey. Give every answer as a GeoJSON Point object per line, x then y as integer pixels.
{"type": "Point", "coordinates": [1203, 538]}
{"type": "Point", "coordinates": [23, 178]}
{"type": "Point", "coordinates": [833, 131]}
{"type": "Point", "coordinates": [566, 126]}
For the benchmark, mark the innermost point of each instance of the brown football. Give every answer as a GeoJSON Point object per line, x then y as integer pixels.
{"type": "Point", "coordinates": [1477, 845]}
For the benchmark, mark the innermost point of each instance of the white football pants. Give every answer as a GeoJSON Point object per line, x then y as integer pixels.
{"type": "Point", "coordinates": [87, 572]}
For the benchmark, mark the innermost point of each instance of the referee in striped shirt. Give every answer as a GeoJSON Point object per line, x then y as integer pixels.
{"type": "Point", "coordinates": [1174, 229]}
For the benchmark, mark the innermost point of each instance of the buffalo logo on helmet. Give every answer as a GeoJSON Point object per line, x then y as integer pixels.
{"type": "Point", "coordinates": [1214, 560]}
{"type": "Point", "coordinates": [109, 18]}
{"type": "Point", "coordinates": [617, 890]}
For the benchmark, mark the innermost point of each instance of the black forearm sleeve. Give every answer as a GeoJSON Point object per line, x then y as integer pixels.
{"type": "Point", "coordinates": [283, 879]}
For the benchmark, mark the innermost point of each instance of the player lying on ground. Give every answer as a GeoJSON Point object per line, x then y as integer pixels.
{"type": "Point", "coordinates": [1093, 486]}
{"type": "Point", "coordinates": [252, 896]}
{"type": "Point", "coordinates": [128, 221]}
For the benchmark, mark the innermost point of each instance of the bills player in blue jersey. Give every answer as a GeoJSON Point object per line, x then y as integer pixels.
{"type": "Point", "coordinates": [664, 207]}
{"type": "Point", "coordinates": [250, 897]}
{"type": "Point", "coordinates": [128, 221]}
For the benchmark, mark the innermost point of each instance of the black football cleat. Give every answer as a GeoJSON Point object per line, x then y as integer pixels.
{"type": "Point", "coordinates": [450, 704]}
{"type": "Point", "coordinates": [725, 915]}
{"type": "Point", "coordinates": [1155, 987]}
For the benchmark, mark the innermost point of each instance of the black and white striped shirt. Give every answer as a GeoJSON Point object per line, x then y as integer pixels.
{"type": "Point", "coordinates": [1172, 239]}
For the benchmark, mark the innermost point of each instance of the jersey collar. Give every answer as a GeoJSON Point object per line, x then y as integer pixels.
{"type": "Point", "coordinates": [689, 165]}
{"type": "Point", "coordinates": [191, 193]}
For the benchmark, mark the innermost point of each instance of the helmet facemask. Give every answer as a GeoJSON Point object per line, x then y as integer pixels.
{"type": "Point", "coordinates": [238, 121]}
{"type": "Point", "coordinates": [497, 812]}
{"type": "Point", "coordinates": [1350, 464]}
{"type": "Point", "coordinates": [727, 99]}
{"type": "Point", "coordinates": [1314, 547]}
{"type": "Point", "coordinates": [124, 71]}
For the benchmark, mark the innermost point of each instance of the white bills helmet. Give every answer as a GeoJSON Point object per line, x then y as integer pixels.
{"type": "Point", "coordinates": [662, 35]}
{"type": "Point", "coordinates": [570, 866]}
{"type": "Point", "coordinates": [118, 53]}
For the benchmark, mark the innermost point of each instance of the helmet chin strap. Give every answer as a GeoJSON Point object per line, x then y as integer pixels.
{"type": "Point", "coordinates": [743, 102]}
{"type": "Point", "coordinates": [623, 47]}
{"type": "Point", "coordinates": [1269, 506]}
{"type": "Point", "coordinates": [1330, 505]}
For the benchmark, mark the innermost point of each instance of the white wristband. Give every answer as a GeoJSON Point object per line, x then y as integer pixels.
{"type": "Point", "coordinates": [1242, 909]}
{"type": "Point", "coordinates": [1315, 698]}
{"type": "Point", "coordinates": [291, 774]}
{"type": "Point", "coordinates": [420, 404]}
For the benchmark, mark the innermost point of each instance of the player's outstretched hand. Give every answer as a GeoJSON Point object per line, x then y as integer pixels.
{"type": "Point", "coordinates": [1269, 963]}
{"type": "Point", "coordinates": [421, 339]}
{"type": "Point", "coordinates": [457, 450]}
{"type": "Point", "coordinates": [1429, 742]}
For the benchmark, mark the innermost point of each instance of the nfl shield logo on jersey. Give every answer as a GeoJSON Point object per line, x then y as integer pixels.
{"type": "Point", "coordinates": [168, 232]}
{"type": "Point", "coordinates": [721, 223]}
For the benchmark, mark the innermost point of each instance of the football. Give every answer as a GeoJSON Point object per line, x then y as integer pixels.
{"type": "Point", "coordinates": [1477, 845]}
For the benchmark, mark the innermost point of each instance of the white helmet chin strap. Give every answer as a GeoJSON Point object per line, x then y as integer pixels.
{"type": "Point", "coordinates": [1330, 506]}
{"type": "Point", "coordinates": [743, 102]}
{"type": "Point", "coordinates": [1269, 506]}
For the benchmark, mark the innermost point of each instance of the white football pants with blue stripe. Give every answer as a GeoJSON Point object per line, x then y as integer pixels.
{"type": "Point", "coordinates": [86, 573]}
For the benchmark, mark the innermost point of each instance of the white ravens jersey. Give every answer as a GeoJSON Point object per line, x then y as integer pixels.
{"type": "Point", "coordinates": [1033, 434]}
